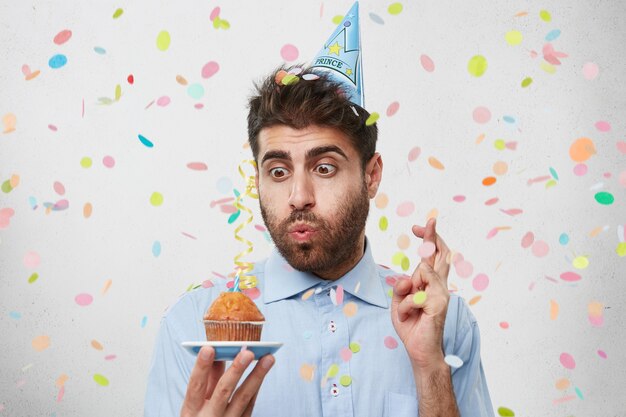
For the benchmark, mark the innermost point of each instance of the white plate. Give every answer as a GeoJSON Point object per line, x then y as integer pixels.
{"type": "Point", "coordinates": [226, 351]}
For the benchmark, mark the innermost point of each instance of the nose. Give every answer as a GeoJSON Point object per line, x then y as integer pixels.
{"type": "Point", "coordinates": [302, 195]}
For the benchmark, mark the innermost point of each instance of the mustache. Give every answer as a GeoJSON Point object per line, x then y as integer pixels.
{"type": "Point", "coordinates": [302, 216]}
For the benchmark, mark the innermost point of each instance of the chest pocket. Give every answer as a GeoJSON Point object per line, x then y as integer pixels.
{"type": "Point", "coordinates": [400, 405]}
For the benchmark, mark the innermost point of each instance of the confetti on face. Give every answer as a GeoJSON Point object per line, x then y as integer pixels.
{"type": "Point", "coordinates": [41, 343]}
{"type": "Point", "coordinates": [32, 260]}
{"type": "Point", "coordinates": [156, 199]}
{"type": "Point", "coordinates": [9, 121]}
{"type": "Point", "coordinates": [390, 342]}
{"type": "Point", "coordinates": [101, 380]}
{"type": "Point", "coordinates": [477, 65]}
{"type": "Point", "coordinates": [395, 9]}
{"type": "Point", "coordinates": [540, 249]}
{"type": "Point", "coordinates": [513, 37]}
{"type": "Point", "coordinates": [505, 412]}
{"type": "Point", "coordinates": [307, 372]}
{"type": "Point", "coordinates": [57, 61]}
{"type": "Point", "coordinates": [480, 282]}
{"type": "Point", "coordinates": [163, 40]}
{"type": "Point", "coordinates": [350, 309]}
{"type": "Point", "coordinates": [373, 117]}
{"type": "Point", "coordinates": [405, 209]}
{"type": "Point", "coordinates": [83, 299]}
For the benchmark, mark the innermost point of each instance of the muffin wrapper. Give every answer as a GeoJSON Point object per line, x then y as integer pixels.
{"type": "Point", "coordinates": [223, 330]}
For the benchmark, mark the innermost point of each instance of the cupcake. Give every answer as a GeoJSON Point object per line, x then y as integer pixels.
{"type": "Point", "coordinates": [233, 316]}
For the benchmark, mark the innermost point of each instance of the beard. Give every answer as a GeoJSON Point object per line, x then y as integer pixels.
{"type": "Point", "coordinates": [335, 240]}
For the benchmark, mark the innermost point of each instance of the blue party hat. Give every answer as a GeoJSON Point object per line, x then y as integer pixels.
{"type": "Point", "coordinates": [341, 56]}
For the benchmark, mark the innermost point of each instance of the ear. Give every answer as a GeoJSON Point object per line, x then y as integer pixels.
{"type": "Point", "coordinates": [373, 174]}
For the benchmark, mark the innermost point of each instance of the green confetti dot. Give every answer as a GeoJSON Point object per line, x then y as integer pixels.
{"type": "Point", "coordinates": [419, 297]}
{"type": "Point", "coordinates": [332, 371]}
{"type": "Point", "coordinates": [550, 183]}
{"type": "Point", "coordinates": [499, 144]}
{"type": "Point", "coordinates": [355, 347]}
{"type": "Point", "coordinates": [163, 40]}
{"type": "Point", "coordinates": [579, 393]}
{"type": "Point", "coordinates": [526, 82]}
{"type": "Point", "coordinates": [477, 65]}
{"type": "Point", "coordinates": [604, 198]}
{"type": "Point", "coordinates": [33, 278]}
{"type": "Point", "coordinates": [101, 380]}
{"type": "Point", "coordinates": [195, 91]}
{"type": "Point", "coordinates": [372, 119]}
{"type": "Point", "coordinates": [6, 186]}
{"type": "Point", "coordinates": [118, 92]}
{"type": "Point", "coordinates": [345, 380]}
{"type": "Point", "coordinates": [383, 223]}
{"type": "Point", "coordinates": [156, 199]}
{"type": "Point", "coordinates": [554, 174]}
{"type": "Point", "coordinates": [395, 8]}
{"type": "Point", "coordinates": [337, 19]}
{"type": "Point", "coordinates": [505, 412]}
{"type": "Point", "coordinates": [234, 217]}
{"type": "Point", "coordinates": [545, 15]}
{"type": "Point", "coordinates": [290, 79]}
{"type": "Point", "coordinates": [513, 37]}
{"type": "Point", "coordinates": [85, 162]}
{"type": "Point", "coordinates": [118, 13]}
{"type": "Point", "coordinates": [405, 264]}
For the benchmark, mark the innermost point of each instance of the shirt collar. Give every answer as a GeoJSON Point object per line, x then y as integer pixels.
{"type": "Point", "coordinates": [281, 281]}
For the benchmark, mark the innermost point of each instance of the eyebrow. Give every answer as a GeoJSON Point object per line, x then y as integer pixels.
{"type": "Point", "coordinates": [311, 153]}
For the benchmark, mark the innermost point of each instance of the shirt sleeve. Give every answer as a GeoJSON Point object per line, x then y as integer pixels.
{"type": "Point", "coordinates": [470, 385]}
{"type": "Point", "coordinates": [170, 368]}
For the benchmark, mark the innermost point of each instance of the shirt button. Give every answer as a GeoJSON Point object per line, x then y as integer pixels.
{"type": "Point", "coordinates": [332, 326]}
{"type": "Point", "coordinates": [334, 391]}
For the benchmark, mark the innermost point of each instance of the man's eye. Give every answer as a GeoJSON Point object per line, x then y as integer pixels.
{"type": "Point", "coordinates": [325, 169]}
{"type": "Point", "coordinates": [278, 172]}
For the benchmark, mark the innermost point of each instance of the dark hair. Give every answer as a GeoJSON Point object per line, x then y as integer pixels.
{"type": "Point", "coordinates": [289, 97]}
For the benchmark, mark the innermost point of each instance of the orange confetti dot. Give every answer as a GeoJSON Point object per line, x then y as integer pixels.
{"type": "Point", "coordinates": [500, 168]}
{"type": "Point", "coordinates": [562, 384]}
{"type": "Point", "coordinates": [350, 309]}
{"type": "Point", "coordinates": [520, 14]}
{"type": "Point", "coordinates": [181, 80]}
{"type": "Point", "coordinates": [308, 294]}
{"type": "Point", "coordinates": [582, 149]}
{"type": "Point", "coordinates": [595, 309]}
{"type": "Point", "coordinates": [96, 345]}
{"type": "Point", "coordinates": [474, 300]}
{"type": "Point", "coordinates": [595, 232]}
{"type": "Point", "coordinates": [404, 242]}
{"type": "Point", "coordinates": [307, 372]}
{"type": "Point", "coordinates": [435, 163]}
{"type": "Point", "coordinates": [554, 310]}
{"type": "Point", "coordinates": [431, 215]}
{"type": "Point", "coordinates": [14, 180]}
{"type": "Point", "coordinates": [489, 181]}
{"type": "Point", "coordinates": [480, 138]}
{"type": "Point", "coordinates": [381, 200]}
{"type": "Point", "coordinates": [87, 209]}
{"type": "Point", "coordinates": [41, 343]}
{"type": "Point", "coordinates": [61, 380]}
{"type": "Point", "coordinates": [106, 286]}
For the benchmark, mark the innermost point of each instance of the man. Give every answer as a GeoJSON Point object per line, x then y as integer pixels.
{"type": "Point", "coordinates": [359, 339]}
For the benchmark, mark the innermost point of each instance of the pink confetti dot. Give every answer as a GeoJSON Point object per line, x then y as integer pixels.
{"type": "Point", "coordinates": [596, 321]}
{"type": "Point", "coordinates": [390, 342]}
{"type": "Point", "coordinates": [567, 360]}
{"type": "Point", "coordinates": [621, 146]}
{"type": "Point", "coordinates": [570, 276]}
{"type": "Point", "coordinates": [32, 259]}
{"type": "Point", "coordinates": [481, 115]}
{"type": "Point", "coordinates": [602, 354]}
{"type": "Point", "coordinates": [590, 70]}
{"type": "Point", "coordinates": [110, 357]}
{"type": "Point", "coordinates": [580, 169]}
{"type": "Point", "coordinates": [426, 249]}
{"type": "Point", "coordinates": [459, 198]}
{"type": "Point", "coordinates": [504, 324]}
{"type": "Point", "coordinates": [339, 295]}
{"type": "Point", "coordinates": [622, 178]}
{"type": "Point", "coordinates": [163, 101]}
{"type": "Point", "coordinates": [492, 201]}
{"type": "Point", "coordinates": [199, 106]}
{"type": "Point", "coordinates": [58, 188]}
{"type": "Point", "coordinates": [52, 127]}
{"type": "Point", "coordinates": [62, 37]}
{"type": "Point", "coordinates": [197, 166]}
{"type": "Point", "coordinates": [83, 299]}
{"type": "Point", "coordinates": [260, 227]}
{"type": "Point", "coordinates": [393, 108]}
{"type": "Point", "coordinates": [528, 240]}
{"type": "Point", "coordinates": [252, 293]}
{"type": "Point", "coordinates": [207, 283]}
{"type": "Point", "coordinates": [464, 268]}
{"type": "Point", "coordinates": [480, 282]}
{"type": "Point", "coordinates": [540, 249]}
{"type": "Point", "coordinates": [209, 69]}
{"type": "Point", "coordinates": [214, 13]}
{"type": "Point", "coordinates": [346, 354]}
{"type": "Point", "coordinates": [603, 126]}
{"type": "Point", "coordinates": [427, 63]}
{"type": "Point", "coordinates": [289, 52]}
{"type": "Point", "coordinates": [405, 209]}
{"type": "Point", "coordinates": [108, 161]}
{"type": "Point", "coordinates": [414, 153]}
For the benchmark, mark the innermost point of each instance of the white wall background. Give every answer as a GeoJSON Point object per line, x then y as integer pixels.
{"type": "Point", "coordinates": [74, 254]}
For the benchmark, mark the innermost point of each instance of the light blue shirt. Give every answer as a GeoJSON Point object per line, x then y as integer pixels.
{"type": "Point", "coordinates": [370, 375]}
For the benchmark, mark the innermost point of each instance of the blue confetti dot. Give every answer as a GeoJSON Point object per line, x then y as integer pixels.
{"type": "Point", "coordinates": [563, 239]}
{"type": "Point", "coordinates": [156, 248]}
{"type": "Point", "coordinates": [32, 202]}
{"type": "Point", "coordinates": [553, 34]}
{"type": "Point", "coordinates": [377, 19]}
{"type": "Point", "coordinates": [579, 393]}
{"type": "Point", "coordinates": [509, 119]}
{"type": "Point", "coordinates": [15, 315]}
{"type": "Point", "coordinates": [195, 91]}
{"type": "Point", "coordinates": [57, 61]}
{"type": "Point", "coordinates": [145, 141]}
{"type": "Point", "coordinates": [144, 320]}
{"type": "Point", "coordinates": [554, 174]}
{"type": "Point", "coordinates": [99, 50]}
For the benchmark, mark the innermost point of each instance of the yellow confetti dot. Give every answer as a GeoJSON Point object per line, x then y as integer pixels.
{"type": "Point", "coordinates": [621, 249]}
{"type": "Point", "coordinates": [595, 309]}
{"type": "Point", "coordinates": [499, 144]}
{"type": "Point", "coordinates": [395, 8]}
{"type": "Point", "coordinates": [163, 40]}
{"type": "Point", "coordinates": [290, 79]}
{"type": "Point", "coordinates": [332, 371]}
{"type": "Point", "coordinates": [355, 347]}
{"type": "Point", "coordinates": [118, 13]}
{"type": "Point", "coordinates": [156, 199]}
{"type": "Point", "coordinates": [383, 223]}
{"type": "Point", "coordinates": [547, 67]}
{"type": "Point", "coordinates": [526, 82]}
{"type": "Point", "coordinates": [85, 162]}
{"type": "Point", "coordinates": [372, 119]}
{"type": "Point", "coordinates": [307, 372]}
{"type": "Point", "coordinates": [33, 277]}
{"type": "Point", "coordinates": [419, 297]}
{"type": "Point", "coordinates": [337, 19]}
{"type": "Point", "coordinates": [101, 380]}
{"type": "Point", "coordinates": [545, 15]}
{"type": "Point", "coordinates": [435, 163]}
{"type": "Point", "coordinates": [41, 343]}
{"type": "Point", "coordinates": [580, 262]}
{"type": "Point", "coordinates": [345, 380]}
{"type": "Point", "coordinates": [350, 309]}
{"type": "Point", "coordinates": [405, 264]}
{"type": "Point", "coordinates": [513, 37]}
{"type": "Point", "coordinates": [477, 65]}
{"type": "Point", "coordinates": [118, 92]}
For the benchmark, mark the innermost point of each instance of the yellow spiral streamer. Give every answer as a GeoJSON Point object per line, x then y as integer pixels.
{"type": "Point", "coordinates": [243, 281]}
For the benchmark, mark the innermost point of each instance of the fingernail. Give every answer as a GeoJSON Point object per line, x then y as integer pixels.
{"type": "Point", "coordinates": [205, 354]}
{"type": "Point", "coordinates": [267, 362]}
{"type": "Point", "coordinates": [244, 359]}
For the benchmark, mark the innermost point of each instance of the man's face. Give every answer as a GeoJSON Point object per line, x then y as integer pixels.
{"type": "Point", "coordinates": [313, 195]}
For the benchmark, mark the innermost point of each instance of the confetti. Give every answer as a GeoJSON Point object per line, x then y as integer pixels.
{"type": "Point", "coordinates": [57, 61]}
{"type": "Point", "coordinates": [5, 217]}
{"type": "Point", "coordinates": [156, 248]}
{"type": "Point", "coordinates": [383, 223]}
{"type": "Point", "coordinates": [117, 13]}
{"type": "Point", "coordinates": [96, 345]}
{"type": "Point", "coordinates": [419, 297]}
{"type": "Point", "coordinates": [427, 63]}
{"type": "Point", "coordinates": [513, 37]}
{"type": "Point", "coordinates": [414, 153]}
{"type": "Point", "coordinates": [604, 198]}
{"type": "Point", "coordinates": [570, 276]}
{"type": "Point", "coordinates": [209, 69]}
{"type": "Point", "coordinates": [567, 360]}
{"type": "Point", "coordinates": [195, 91]}
{"type": "Point", "coordinates": [540, 249]}
{"type": "Point", "coordinates": [62, 37]}
{"type": "Point", "coordinates": [86, 162]}
{"type": "Point", "coordinates": [106, 286]}
{"type": "Point", "coordinates": [101, 380]}
{"type": "Point", "coordinates": [350, 309]}
{"type": "Point", "coordinates": [393, 108]}
{"type": "Point", "coordinates": [477, 66]}
{"type": "Point", "coordinates": [9, 121]}
{"type": "Point", "coordinates": [582, 149]}
{"type": "Point", "coordinates": [307, 372]}
{"type": "Point", "coordinates": [163, 40]}
{"type": "Point", "coordinates": [480, 282]}
{"type": "Point", "coordinates": [41, 343]}
{"type": "Point", "coordinates": [156, 199]}
{"type": "Point", "coordinates": [405, 209]}
{"type": "Point", "coordinates": [345, 380]}
{"type": "Point", "coordinates": [87, 210]}
{"type": "Point", "coordinates": [435, 163]}
{"type": "Point", "coordinates": [381, 200]}
{"type": "Point", "coordinates": [426, 249]}
{"type": "Point", "coordinates": [373, 117]}
{"type": "Point", "coordinates": [590, 70]}
{"type": "Point", "coordinates": [108, 161]}
{"type": "Point", "coordinates": [144, 321]}
{"type": "Point", "coordinates": [83, 299]}
{"type": "Point", "coordinates": [390, 342]}
{"type": "Point", "coordinates": [289, 52]}
{"type": "Point", "coordinates": [32, 260]}
{"type": "Point", "coordinates": [554, 310]}
{"type": "Point", "coordinates": [505, 412]}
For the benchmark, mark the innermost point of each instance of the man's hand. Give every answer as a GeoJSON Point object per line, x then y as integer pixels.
{"type": "Point", "coordinates": [420, 304]}
{"type": "Point", "coordinates": [210, 388]}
